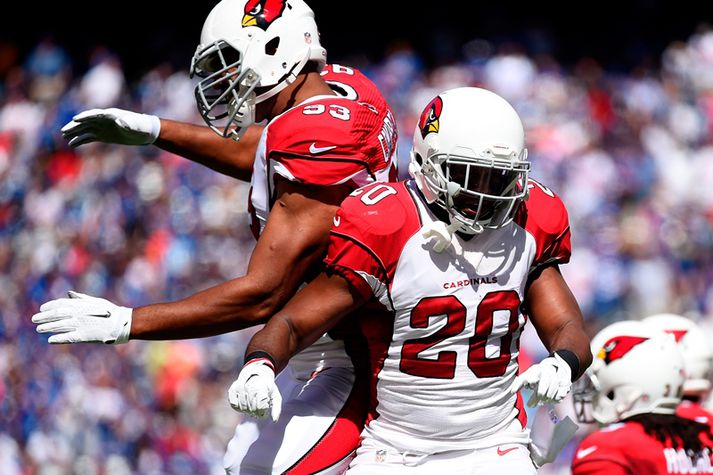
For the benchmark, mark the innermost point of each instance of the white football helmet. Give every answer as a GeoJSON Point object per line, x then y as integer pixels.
{"type": "Point", "coordinates": [469, 158]}
{"type": "Point", "coordinates": [636, 370]}
{"type": "Point", "coordinates": [250, 50]}
{"type": "Point", "coordinates": [697, 350]}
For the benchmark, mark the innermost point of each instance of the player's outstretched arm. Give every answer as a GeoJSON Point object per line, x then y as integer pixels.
{"type": "Point", "coordinates": [310, 313]}
{"type": "Point", "coordinates": [558, 320]}
{"type": "Point", "coordinates": [292, 243]}
{"type": "Point", "coordinates": [201, 145]}
{"type": "Point", "coordinates": [197, 143]}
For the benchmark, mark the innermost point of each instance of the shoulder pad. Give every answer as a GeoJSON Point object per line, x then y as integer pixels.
{"type": "Point", "coordinates": [328, 141]}
{"type": "Point", "coordinates": [544, 216]}
{"type": "Point", "coordinates": [371, 229]}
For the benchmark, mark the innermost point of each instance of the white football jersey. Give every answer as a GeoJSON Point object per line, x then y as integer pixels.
{"type": "Point", "coordinates": [325, 141]}
{"type": "Point", "coordinates": [445, 344]}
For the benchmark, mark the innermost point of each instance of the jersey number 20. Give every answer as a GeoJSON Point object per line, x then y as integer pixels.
{"type": "Point", "coordinates": [480, 362]}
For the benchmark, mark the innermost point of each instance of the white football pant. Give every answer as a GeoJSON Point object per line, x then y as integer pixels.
{"type": "Point", "coordinates": [507, 459]}
{"type": "Point", "coordinates": [317, 432]}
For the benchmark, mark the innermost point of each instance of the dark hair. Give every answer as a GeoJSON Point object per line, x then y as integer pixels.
{"type": "Point", "coordinates": [682, 433]}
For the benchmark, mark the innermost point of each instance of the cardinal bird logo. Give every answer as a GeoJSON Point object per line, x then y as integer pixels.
{"type": "Point", "coordinates": [262, 13]}
{"type": "Point", "coordinates": [617, 347]}
{"type": "Point", "coordinates": [430, 117]}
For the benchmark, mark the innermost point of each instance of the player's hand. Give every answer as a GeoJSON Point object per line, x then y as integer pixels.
{"type": "Point", "coordinates": [255, 392]}
{"type": "Point", "coordinates": [550, 379]}
{"type": "Point", "coordinates": [83, 319]}
{"type": "Point", "coordinates": [112, 126]}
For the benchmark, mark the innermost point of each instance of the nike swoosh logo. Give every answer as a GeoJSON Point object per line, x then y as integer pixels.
{"type": "Point", "coordinates": [502, 452]}
{"type": "Point", "coordinates": [314, 150]}
{"type": "Point", "coordinates": [107, 314]}
{"type": "Point", "coordinates": [337, 220]}
{"type": "Point", "coordinates": [584, 452]}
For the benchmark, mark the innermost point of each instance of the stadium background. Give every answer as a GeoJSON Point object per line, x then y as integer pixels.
{"type": "Point", "coordinates": [618, 102]}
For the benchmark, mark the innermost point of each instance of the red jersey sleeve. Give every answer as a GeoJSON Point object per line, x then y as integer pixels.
{"type": "Point", "coordinates": [369, 233]}
{"type": "Point", "coordinates": [544, 216]}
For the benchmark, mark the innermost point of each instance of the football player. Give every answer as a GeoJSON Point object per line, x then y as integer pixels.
{"type": "Point", "coordinates": [698, 359]}
{"type": "Point", "coordinates": [445, 269]}
{"type": "Point", "coordinates": [632, 389]}
{"type": "Point", "coordinates": [261, 60]}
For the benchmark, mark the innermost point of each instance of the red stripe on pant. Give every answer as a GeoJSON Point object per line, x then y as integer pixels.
{"type": "Point", "coordinates": [521, 414]}
{"type": "Point", "coordinates": [342, 437]}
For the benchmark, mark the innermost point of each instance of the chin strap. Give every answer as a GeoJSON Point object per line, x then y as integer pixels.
{"type": "Point", "coordinates": [440, 234]}
{"type": "Point", "coordinates": [289, 78]}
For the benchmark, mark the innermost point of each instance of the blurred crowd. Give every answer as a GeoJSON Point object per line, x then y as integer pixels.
{"type": "Point", "coordinates": [630, 153]}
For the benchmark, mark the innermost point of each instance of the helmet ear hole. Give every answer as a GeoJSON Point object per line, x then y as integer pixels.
{"type": "Point", "coordinates": [230, 56]}
{"type": "Point", "coordinates": [271, 46]}
{"type": "Point", "coordinates": [418, 158]}
{"type": "Point", "coordinates": [610, 395]}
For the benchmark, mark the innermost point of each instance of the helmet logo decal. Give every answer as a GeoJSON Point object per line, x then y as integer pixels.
{"type": "Point", "coordinates": [617, 347]}
{"type": "Point", "coordinates": [430, 117]}
{"type": "Point", "coordinates": [262, 13]}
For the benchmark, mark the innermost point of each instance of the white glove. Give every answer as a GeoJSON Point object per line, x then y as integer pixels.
{"type": "Point", "coordinates": [83, 319]}
{"type": "Point", "coordinates": [255, 391]}
{"type": "Point", "coordinates": [112, 126]}
{"type": "Point", "coordinates": [550, 379]}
